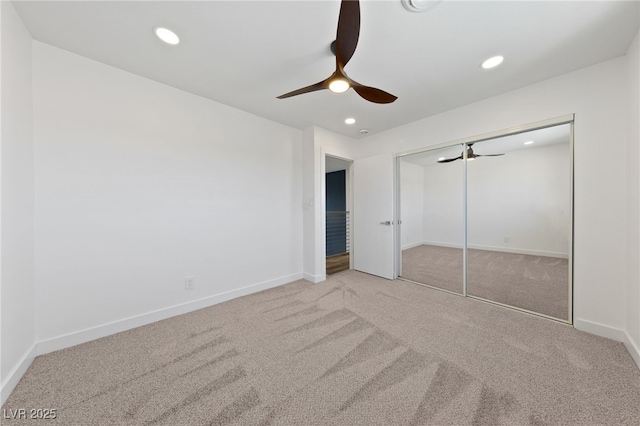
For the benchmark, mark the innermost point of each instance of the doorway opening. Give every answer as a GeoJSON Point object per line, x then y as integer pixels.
{"type": "Point", "coordinates": [337, 216]}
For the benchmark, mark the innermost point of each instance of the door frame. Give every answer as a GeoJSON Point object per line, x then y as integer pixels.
{"type": "Point", "coordinates": [323, 208]}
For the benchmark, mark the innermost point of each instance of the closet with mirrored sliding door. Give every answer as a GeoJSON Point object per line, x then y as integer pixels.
{"type": "Point", "coordinates": [491, 218]}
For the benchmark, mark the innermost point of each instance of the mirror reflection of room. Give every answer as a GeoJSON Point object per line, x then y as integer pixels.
{"type": "Point", "coordinates": [518, 219]}
{"type": "Point", "coordinates": [432, 219]}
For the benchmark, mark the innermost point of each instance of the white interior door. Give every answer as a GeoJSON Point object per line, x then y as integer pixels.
{"type": "Point", "coordinates": [373, 221]}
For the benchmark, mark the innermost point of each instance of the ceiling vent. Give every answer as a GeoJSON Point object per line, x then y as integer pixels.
{"type": "Point", "coordinates": [419, 5]}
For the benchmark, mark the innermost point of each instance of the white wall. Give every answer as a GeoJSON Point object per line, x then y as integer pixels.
{"type": "Point", "coordinates": [139, 185]}
{"type": "Point", "coordinates": [17, 198]}
{"type": "Point", "coordinates": [633, 199]}
{"type": "Point", "coordinates": [597, 96]}
{"type": "Point", "coordinates": [311, 207]}
{"type": "Point", "coordinates": [411, 204]}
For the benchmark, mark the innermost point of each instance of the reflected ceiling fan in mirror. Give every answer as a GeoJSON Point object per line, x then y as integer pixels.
{"type": "Point", "coordinates": [470, 155]}
{"type": "Point", "coordinates": [343, 48]}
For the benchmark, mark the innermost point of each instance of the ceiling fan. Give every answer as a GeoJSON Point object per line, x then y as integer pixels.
{"type": "Point", "coordinates": [345, 45]}
{"type": "Point", "coordinates": [470, 155]}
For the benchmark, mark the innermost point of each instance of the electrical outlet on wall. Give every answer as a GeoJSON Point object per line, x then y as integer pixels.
{"type": "Point", "coordinates": [189, 283]}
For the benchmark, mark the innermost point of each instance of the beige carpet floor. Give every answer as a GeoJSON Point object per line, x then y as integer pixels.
{"type": "Point", "coordinates": [536, 283]}
{"type": "Point", "coordinates": [353, 350]}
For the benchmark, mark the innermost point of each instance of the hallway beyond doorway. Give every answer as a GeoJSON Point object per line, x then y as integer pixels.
{"type": "Point", "coordinates": [337, 263]}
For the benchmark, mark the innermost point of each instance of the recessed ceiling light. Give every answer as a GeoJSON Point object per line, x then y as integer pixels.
{"type": "Point", "coordinates": [350, 120]}
{"type": "Point", "coordinates": [528, 142]}
{"type": "Point", "coordinates": [492, 62]}
{"type": "Point", "coordinates": [166, 35]}
{"type": "Point", "coordinates": [339, 85]}
{"type": "Point", "coordinates": [441, 158]}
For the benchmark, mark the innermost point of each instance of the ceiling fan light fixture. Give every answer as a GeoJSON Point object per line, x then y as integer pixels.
{"type": "Point", "coordinates": [345, 46]}
{"type": "Point", "coordinates": [166, 35]}
{"type": "Point", "coordinates": [492, 62]}
{"type": "Point", "coordinates": [339, 85]}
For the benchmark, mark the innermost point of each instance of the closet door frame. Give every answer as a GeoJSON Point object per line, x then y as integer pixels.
{"type": "Point", "coordinates": [557, 121]}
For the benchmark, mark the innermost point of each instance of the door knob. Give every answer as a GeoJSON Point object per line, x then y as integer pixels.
{"type": "Point", "coordinates": [386, 222]}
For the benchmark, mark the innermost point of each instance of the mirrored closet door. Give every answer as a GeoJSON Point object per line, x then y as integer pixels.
{"type": "Point", "coordinates": [492, 219]}
{"type": "Point", "coordinates": [432, 219]}
{"type": "Point", "coordinates": [519, 221]}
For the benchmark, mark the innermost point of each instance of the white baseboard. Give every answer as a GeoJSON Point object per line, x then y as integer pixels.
{"type": "Point", "coordinates": [610, 333]}
{"type": "Point", "coordinates": [412, 245]}
{"type": "Point", "coordinates": [86, 335]}
{"type": "Point", "coordinates": [522, 251]}
{"type": "Point", "coordinates": [314, 278]}
{"type": "Point", "coordinates": [439, 244]}
{"type": "Point", "coordinates": [498, 248]}
{"type": "Point", "coordinates": [633, 348]}
{"type": "Point", "coordinates": [16, 374]}
{"type": "Point", "coordinates": [599, 329]}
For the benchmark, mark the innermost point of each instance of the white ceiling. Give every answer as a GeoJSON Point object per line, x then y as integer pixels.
{"type": "Point", "coordinates": [245, 53]}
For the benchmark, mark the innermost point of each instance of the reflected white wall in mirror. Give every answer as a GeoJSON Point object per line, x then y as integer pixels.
{"type": "Point", "coordinates": [521, 202]}
{"type": "Point", "coordinates": [412, 204]}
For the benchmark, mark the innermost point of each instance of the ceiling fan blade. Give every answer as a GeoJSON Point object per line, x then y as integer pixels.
{"type": "Point", "coordinates": [324, 84]}
{"type": "Point", "coordinates": [348, 31]}
{"type": "Point", "coordinates": [488, 155]}
{"type": "Point", "coordinates": [372, 94]}
{"type": "Point", "coordinates": [345, 46]}
{"type": "Point", "coordinates": [448, 160]}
